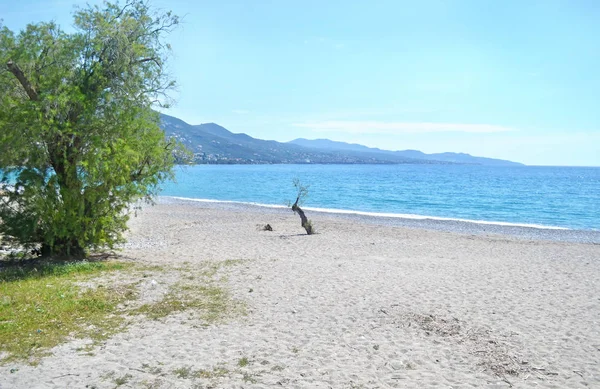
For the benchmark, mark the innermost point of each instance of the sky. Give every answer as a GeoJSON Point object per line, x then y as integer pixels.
{"type": "Point", "coordinates": [511, 79]}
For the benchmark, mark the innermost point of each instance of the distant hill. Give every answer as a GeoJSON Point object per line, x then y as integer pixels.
{"type": "Point", "coordinates": [212, 143]}
{"type": "Point", "coordinates": [460, 158]}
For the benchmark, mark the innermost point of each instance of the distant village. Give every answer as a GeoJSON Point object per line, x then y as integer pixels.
{"type": "Point", "coordinates": [220, 159]}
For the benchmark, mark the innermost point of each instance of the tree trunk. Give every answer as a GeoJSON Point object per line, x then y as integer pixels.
{"type": "Point", "coordinates": [306, 224]}
{"type": "Point", "coordinates": [64, 162]}
{"type": "Point", "coordinates": [63, 248]}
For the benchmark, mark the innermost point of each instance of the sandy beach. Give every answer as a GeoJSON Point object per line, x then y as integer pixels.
{"type": "Point", "coordinates": [361, 304]}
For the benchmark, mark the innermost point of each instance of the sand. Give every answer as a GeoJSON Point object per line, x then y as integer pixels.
{"type": "Point", "coordinates": [358, 305]}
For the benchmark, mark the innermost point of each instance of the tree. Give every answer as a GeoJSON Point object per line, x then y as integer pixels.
{"type": "Point", "coordinates": [80, 142]}
{"type": "Point", "coordinates": [301, 194]}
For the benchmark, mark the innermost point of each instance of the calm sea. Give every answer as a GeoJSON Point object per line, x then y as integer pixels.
{"type": "Point", "coordinates": [567, 197]}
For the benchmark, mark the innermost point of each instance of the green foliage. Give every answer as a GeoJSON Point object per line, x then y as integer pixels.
{"type": "Point", "coordinates": [79, 141]}
{"type": "Point", "coordinates": [301, 191]}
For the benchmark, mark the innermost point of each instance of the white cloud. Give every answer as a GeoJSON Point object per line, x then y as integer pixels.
{"type": "Point", "coordinates": [379, 127]}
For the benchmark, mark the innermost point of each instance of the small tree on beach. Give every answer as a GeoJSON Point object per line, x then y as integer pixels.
{"type": "Point", "coordinates": [79, 140]}
{"type": "Point", "coordinates": [301, 194]}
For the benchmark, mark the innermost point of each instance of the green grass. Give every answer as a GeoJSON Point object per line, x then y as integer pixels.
{"type": "Point", "coordinates": [187, 372]}
{"type": "Point", "coordinates": [42, 270]}
{"type": "Point", "coordinates": [183, 372]}
{"type": "Point", "coordinates": [216, 372]}
{"type": "Point", "coordinates": [242, 362]}
{"type": "Point", "coordinates": [41, 305]}
{"type": "Point", "coordinates": [123, 379]}
{"type": "Point", "coordinates": [212, 302]}
{"type": "Point", "coordinates": [249, 378]}
{"type": "Point", "coordinates": [196, 292]}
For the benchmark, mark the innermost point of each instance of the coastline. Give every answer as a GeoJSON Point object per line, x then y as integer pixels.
{"type": "Point", "coordinates": [470, 227]}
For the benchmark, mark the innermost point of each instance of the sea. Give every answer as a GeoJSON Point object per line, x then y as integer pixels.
{"type": "Point", "coordinates": [536, 196]}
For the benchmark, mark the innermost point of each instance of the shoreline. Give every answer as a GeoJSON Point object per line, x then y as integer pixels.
{"type": "Point", "coordinates": [460, 226]}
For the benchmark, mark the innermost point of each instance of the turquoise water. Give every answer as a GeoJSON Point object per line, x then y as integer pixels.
{"type": "Point", "coordinates": [565, 197]}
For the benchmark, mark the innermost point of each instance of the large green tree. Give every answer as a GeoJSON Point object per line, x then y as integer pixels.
{"type": "Point", "coordinates": [80, 142]}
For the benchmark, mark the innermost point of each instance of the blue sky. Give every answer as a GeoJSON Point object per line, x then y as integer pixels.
{"type": "Point", "coordinates": [517, 80]}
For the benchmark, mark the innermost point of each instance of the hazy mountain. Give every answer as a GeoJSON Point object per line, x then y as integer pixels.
{"type": "Point", "coordinates": [212, 143]}
{"type": "Point", "coordinates": [462, 158]}
{"type": "Point", "coordinates": [326, 144]}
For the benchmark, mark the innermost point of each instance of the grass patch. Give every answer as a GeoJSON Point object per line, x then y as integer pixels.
{"type": "Point", "coordinates": [43, 270]}
{"type": "Point", "coordinates": [212, 302]}
{"type": "Point", "coordinates": [123, 379]}
{"type": "Point", "coordinates": [183, 372]}
{"type": "Point", "coordinates": [187, 372]}
{"type": "Point", "coordinates": [44, 304]}
{"type": "Point", "coordinates": [196, 292]}
{"type": "Point", "coordinates": [249, 378]}
{"type": "Point", "coordinates": [216, 372]}
{"type": "Point", "coordinates": [212, 268]}
{"type": "Point", "coordinates": [41, 305]}
{"type": "Point", "coordinates": [242, 362]}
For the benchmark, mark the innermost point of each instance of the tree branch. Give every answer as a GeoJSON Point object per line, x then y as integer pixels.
{"type": "Point", "coordinates": [29, 89]}
{"type": "Point", "coordinates": [169, 144]}
{"type": "Point", "coordinates": [138, 174]}
{"type": "Point", "coordinates": [142, 60]}
{"type": "Point", "coordinates": [121, 12]}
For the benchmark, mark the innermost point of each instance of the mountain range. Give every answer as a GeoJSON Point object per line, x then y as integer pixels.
{"type": "Point", "coordinates": [211, 143]}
